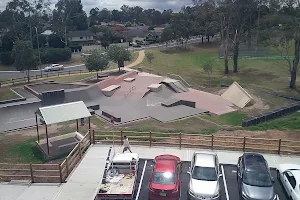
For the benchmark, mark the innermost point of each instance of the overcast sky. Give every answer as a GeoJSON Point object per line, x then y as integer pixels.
{"type": "Point", "coordinates": [175, 5]}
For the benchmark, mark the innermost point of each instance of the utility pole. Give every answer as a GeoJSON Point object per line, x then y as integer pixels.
{"type": "Point", "coordinates": [38, 44]}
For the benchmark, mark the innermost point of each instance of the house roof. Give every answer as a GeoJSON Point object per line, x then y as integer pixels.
{"type": "Point", "coordinates": [80, 33]}
{"type": "Point", "coordinates": [137, 31]}
{"type": "Point", "coordinates": [64, 112]}
{"type": "Point", "coordinates": [118, 28]}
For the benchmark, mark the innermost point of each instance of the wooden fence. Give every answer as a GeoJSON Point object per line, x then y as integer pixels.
{"type": "Point", "coordinates": [181, 140]}
{"type": "Point", "coordinates": [45, 173]}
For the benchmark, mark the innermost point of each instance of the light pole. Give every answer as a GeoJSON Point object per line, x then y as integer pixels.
{"type": "Point", "coordinates": [37, 40]}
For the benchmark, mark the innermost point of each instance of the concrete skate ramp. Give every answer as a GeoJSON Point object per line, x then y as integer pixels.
{"type": "Point", "coordinates": [176, 102]}
{"type": "Point", "coordinates": [90, 95]}
{"type": "Point", "coordinates": [237, 95]}
{"type": "Point", "coordinates": [116, 80]}
{"type": "Point", "coordinates": [207, 101]}
{"type": "Point", "coordinates": [18, 116]}
{"type": "Point", "coordinates": [138, 88]}
{"type": "Point", "coordinates": [175, 85]}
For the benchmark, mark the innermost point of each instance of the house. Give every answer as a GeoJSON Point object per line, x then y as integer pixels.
{"type": "Point", "coordinates": [160, 28]}
{"type": "Point", "coordinates": [118, 28]}
{"type": "Point", "coordinates": [81, 38]}
{"type": "Point", "coordinates": [136, 33]}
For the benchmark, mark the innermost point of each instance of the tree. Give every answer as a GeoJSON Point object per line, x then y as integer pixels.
{"type": "Point", "coordinates": [55, 41]}
{"type": "Point", "coordinates": [207, 67]}
{"type": "Point", "coordinates": [24, 56]}
{"type": "Point", "coordinates": [68, 15]}
{"type": "Point", "coordinates": [105, 44]}
{"type": "Point", "coordinates": [150, 57]}
{"type": "Point", "coordinates": [118, 54]}
{"type": "Point", "coordinates": [282, 30]}
{"type": "Point", "coordinates": [167, 35]}
{"type": "Point", "coordinates": [94, 16]}
{"type": "Point", "coordinates": [96, 62]}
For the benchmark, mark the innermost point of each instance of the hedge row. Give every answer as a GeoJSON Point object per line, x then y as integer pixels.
{"type": "Point", "coordinates": [48, 55]}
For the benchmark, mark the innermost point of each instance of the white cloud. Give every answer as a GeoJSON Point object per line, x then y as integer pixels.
{"type": "Point", "coordinates": [116, 4]}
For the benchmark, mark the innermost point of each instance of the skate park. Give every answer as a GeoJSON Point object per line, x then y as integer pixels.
{"type": "Point", "coordinates": [128, 97]}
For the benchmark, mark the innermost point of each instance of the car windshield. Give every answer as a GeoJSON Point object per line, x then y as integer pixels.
{"type": "Point", "coordinates": [255, 178]}
{"type": "Point", "coordinates": [166, 178]}
{"type": "Point", "coordinates": [204, 173]}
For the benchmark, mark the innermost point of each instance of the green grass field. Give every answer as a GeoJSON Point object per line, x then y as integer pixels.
{"type": "Point", "coordinates": [6, 94]}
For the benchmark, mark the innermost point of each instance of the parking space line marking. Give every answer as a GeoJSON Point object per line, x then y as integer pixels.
{"type": "Point", "coordinates": [225, 185]}
{"type": "Point", "coordinates": [141, 181]}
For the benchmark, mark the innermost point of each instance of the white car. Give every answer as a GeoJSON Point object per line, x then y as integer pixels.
{"type": "Point", "coordinates": [204, 177]}
{"type": "Point", "coordinates": [54, 67]}
{"type": "Point", "coordinates": [289, 175]}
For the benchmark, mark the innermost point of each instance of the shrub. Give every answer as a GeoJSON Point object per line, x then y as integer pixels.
{"type": "Point", "coordinates": [6, 58]}
{"type": "Point", "coordinates": [53, 55]}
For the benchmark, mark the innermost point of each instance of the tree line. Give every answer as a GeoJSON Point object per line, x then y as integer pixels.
{"type": "Point", "coordinates": [252, 22]}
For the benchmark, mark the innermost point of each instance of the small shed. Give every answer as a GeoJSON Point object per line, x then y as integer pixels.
{"type": "Point", "coordinates": [56, 114]}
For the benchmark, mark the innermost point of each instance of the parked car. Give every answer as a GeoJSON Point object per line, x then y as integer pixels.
{"type": "Point", "coordinates": [135, 44]}
{"type": "Point", "coordinates": [54, 67]}
{"type": "Point", "coordinates": [254, 178]}
{"type": "Point", "coordinates": [289, 175]}
{"type": "Point", "coordinates": [164, 182]}
{"type": "Point", "coordinates": [204, 177]}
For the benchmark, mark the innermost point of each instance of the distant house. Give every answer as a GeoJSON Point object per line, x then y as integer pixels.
{"type": "Point", "coordinates": [137, 33]}
{"type": "Point", "coordinates": [160, 28]}
{"type": "Point", "coordinates": [81, 38]}
{"type": "Point", "coordinates": [118, 28]}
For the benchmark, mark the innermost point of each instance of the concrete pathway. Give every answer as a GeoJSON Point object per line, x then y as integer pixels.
{"type": "Point", "coordinates": [85, 179]}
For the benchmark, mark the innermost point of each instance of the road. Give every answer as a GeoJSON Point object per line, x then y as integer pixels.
{"type": "Point", "coordinates": [6, 75]}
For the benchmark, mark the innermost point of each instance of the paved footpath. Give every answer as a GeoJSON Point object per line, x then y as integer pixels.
{"type": "Point", "coordinates": [83, 182]}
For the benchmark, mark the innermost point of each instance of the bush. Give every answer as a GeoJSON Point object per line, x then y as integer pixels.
{"type": "Point", "coordinates": [6, 58]}
{"type": "Point", "coordinates": [54, 55]}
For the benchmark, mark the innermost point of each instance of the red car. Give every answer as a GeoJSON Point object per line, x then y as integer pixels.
{"type": "Point", "coordinates": [164, 183]}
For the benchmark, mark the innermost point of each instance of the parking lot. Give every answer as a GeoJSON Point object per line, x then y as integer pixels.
{"type": "Point", "coordinates": [229, 177]}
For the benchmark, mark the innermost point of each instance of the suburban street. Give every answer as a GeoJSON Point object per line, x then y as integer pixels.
{"type": "Point", "coordinates": [6, 75]}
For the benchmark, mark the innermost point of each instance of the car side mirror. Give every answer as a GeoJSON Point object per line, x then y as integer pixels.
{"type": "Point", "coordinates": [220, 175]}
{"type": "Point", "coordinates": [188, 172]}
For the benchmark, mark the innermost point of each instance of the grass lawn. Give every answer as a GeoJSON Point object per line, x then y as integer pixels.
{"type": "Point", "coordinates": [6, 94]}
{"type": "Point", "coordinates": [233, 119]}
{"type": "Point", "coordinates": [289, 122]}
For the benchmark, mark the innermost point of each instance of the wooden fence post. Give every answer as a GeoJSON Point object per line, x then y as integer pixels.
{"type": "Point", "coordinates": [31, 173]}
{"type": "Point", "coordinates": [90, 134]}
{"type": "Point", "coordinates": [212, 142]}
{"type": "Point", "coordinates": [244, 144]}
{"type": "Point", "coordinates": [121, 137]}
{"type": "Point", "coordinates": [150, 138]}
{"type": "Point", "coordinates": [67, 166]}
{"type": "Point", "coordinates": [80, 152]}
{"type": "Point", "coordinates": [60, 173]}
{"type": "Point", "coordinates": [94, 136]}
{"type": "Point", "coordinates": [180, 140]}
{"type": "Point", "coordinates": [279, 146]}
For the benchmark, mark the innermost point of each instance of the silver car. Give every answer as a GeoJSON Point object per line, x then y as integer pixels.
{"type": "Point", "coordinates": [254, 178]}
{"type": "Point", "coordinates": [204, 177]}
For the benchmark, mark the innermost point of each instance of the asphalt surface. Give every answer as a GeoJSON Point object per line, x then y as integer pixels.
{"type": "Point", "coordinates": [6, 75]}
{"type": "Point", "coordinates": [229, 176]}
